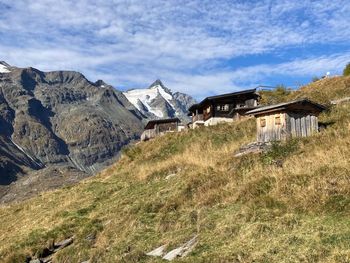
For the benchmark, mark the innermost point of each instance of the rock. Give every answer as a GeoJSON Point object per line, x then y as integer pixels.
{"type": "Point", "coordinates": [335, 102]}
{"type": "Point", "coordinates": [181, 251]}
{"type": "Point", "coordinates": [255, 147]}
{"type": "Point", "coordinates": [170, 176]}
{"type": "Point", "coordinates": [173, 254]}
{"type": "Point", "coordinates": [35, 261]}
{"type": "Point", "coordinates": [63, 244]}
{"type": "Point", "coordinates": [158, 252]}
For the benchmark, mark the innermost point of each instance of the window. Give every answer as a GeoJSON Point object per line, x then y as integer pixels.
{"type": "Point", "coordinates": [224, 107]}
{"type": "Point", "coordinates": [278, 120]}
{"type": "Point", "coordinates": [208, 109]}
{"type": "Point", "coordinates": [262, 122]}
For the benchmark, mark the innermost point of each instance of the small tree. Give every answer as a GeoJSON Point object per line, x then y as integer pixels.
{"type": "Point", "coordinates": [346, 71]}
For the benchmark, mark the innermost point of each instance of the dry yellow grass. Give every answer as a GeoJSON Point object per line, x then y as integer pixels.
{"type": "Point", "coordinates": [290, 204]}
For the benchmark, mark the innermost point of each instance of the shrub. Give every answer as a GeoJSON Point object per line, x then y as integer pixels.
{"type": "Point", "coordinates": [279, 151]}
{"type": "Point", "coordinates": [346, 71]}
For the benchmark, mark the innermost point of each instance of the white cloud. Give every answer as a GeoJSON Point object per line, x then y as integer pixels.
{"type": "Point", "coordinates": [181, 41]}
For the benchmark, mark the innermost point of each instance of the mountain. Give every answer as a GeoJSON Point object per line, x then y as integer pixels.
{"type": "Point", "coordinates": [4, 67]}
{"type": "Point", "coordinates": [60, 120]}
{"type": "Point", "coordinates": [158, 102]}
{"type": "Point", "coordinates": [289, 204]}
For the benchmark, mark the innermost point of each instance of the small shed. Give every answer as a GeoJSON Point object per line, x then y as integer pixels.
{"type": "Point", "coordinates": [161, 126]}
{"type": "Point", "coordinates": [277, 122]}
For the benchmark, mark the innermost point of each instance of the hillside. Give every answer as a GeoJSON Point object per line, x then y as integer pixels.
{"type": "Point", "coordinates": [290, 204]}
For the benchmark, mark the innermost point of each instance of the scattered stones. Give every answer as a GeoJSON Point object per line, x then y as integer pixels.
{"type": "Point", "coordinates": [181, 251]}
{"type": "Point", "coordinates": [335, 102]}
{"type": "Point", "coordinates": [63, 244]}
{"type": "Point", "coordinates": [158, 252]}
{"type": "Point", "coordinates": [170, 176]}
{"type": "Point", "coordinates": [46, 256]}
{"type": "Point", "coordinates": [255, 147]}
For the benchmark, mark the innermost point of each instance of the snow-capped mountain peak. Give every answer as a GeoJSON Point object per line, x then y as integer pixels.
{"type": "Point", "coordinates": [157, 101]}
{"type": "Point", "coordinates": [4, 67]}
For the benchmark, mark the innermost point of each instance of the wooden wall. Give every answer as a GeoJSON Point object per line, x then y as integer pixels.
{"type": "Point", "coordinates": [159, 129]}
{"type": "Point", "coordinates": [302, 125]}
{"type": "Point", "coordinates": [271, 131]}
{"type": "Point", "coordinates": [290, 125]}
{"type": "Point", "coordinates": [164, 127]}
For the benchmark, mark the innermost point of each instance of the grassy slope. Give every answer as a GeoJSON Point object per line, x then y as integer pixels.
{"type": "Point", "coordinates": [291, 204]}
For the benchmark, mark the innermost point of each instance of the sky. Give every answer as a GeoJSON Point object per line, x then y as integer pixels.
{"type": "Point", "coordinates": [200, 47]}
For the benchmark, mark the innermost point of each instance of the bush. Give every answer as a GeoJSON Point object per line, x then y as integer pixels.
{"type": "Point", "coordinates": [279, 151]}
{"type": "Point", "coordinates": [346, 71]}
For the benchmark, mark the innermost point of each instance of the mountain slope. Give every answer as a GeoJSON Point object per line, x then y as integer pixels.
{"type": "Point", "coordinates": [61, 118]}
{"type": "Point", "coordinates": [159, 102]}
{"type": "Point", "coordinates": [290, 204]}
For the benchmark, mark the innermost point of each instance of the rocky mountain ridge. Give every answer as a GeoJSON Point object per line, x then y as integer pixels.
{"type": "Point", "coordinates": [60, 119]}
{"type": "Point", "coordinates": [58, 127]}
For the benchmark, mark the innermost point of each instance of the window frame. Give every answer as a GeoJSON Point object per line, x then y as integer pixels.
{"type": "Point", "coordinates": [278, 120]}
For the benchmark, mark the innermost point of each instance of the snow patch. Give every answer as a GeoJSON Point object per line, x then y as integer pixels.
{"type": "Point", "coordinates": [146, 96]}
{"type": "Point", "coordinates": [4, 69]}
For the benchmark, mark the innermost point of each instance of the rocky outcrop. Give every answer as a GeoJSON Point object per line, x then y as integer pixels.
{"type": "Point", "coordinates": [60, 118]}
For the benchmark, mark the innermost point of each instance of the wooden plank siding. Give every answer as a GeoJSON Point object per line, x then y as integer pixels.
{"type": "Point", "coordinates": [271, 131]}
{"type": "Point", "coordinates": [298, 118]}
{"type": "Point", "coordinates": [225, 107]}
{"type": "Point", "coordinates": [291, 125]}
{"type": "Point", "coordinates": [303, 125]}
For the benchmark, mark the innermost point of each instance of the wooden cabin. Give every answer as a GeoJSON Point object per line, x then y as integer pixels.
{"type": "Point", "coordinates": [159, 127]}
{"type": "Point", "coordinates": [277, 122]}
{"type": "Point", "coordinates": [223, 108]}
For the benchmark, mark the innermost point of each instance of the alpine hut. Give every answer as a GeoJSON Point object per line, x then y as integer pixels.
{"type": "Point", "coordinates": [155, 128]}
{"type": "Point", "coordinates": [223, 108]}
{"type": "Point", "coordinates": [297, 118]}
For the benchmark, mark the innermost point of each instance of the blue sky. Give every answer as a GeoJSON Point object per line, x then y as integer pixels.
{"type": "Point", "coordinates": [201, 47]}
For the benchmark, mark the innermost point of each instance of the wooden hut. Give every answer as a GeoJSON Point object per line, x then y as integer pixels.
{"type": "Point", "coordinates": [155, 128]}
{"type": "Point", "coordinates": [223, 108]}
{"type": "Point", "coordinates": [297, 118]}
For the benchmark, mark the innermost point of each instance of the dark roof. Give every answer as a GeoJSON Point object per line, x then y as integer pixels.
{"type": "Point", "coordinates": [295, 104]}
{"type": "Point", "coordinates": [151, 123]}
{"type": "Point", "coordinates": [222, 96]}
{"type": "Point", "coordinates": [231, 94]}
{"type": "Point", "coordinates": [193, 107]}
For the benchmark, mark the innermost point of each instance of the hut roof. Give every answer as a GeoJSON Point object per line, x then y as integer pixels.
{"type": "Point", "coordinates": [222, 96]}
{"type": "Point", "coordinates": [301, 104]}
{"type": "Point", "coordinates": [152, 123]}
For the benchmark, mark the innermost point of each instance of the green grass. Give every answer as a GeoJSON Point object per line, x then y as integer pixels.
{"type": "Point", "coordinates": [290, 204]}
